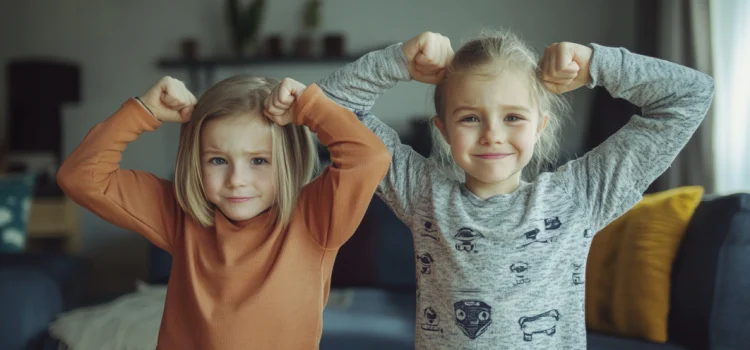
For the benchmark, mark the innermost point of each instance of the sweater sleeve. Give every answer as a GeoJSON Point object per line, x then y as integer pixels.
{"type": "Point", "coordinates": [674, 99]}
{"type": "Point", "coordinates": [357, 86]}
{"type": "Point", "coordinates": [133, 200]}
{"type": "Point", "coordinates": [335, 202]}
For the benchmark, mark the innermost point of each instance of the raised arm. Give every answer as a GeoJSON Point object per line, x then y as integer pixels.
{"type": "Point", "coordinates": [335, 202]}
{"type": "Point", "coordinates": [134, 200]}
{"type": "Point", "coordinates": [357, 85]}
{"type": "Point", "coordinates": [674, 99]}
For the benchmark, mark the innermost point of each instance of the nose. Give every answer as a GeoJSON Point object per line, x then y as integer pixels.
{"type": "Point", "coordinates": [236, 178]}
{"type": "Point", "coordinates": [493, 133]}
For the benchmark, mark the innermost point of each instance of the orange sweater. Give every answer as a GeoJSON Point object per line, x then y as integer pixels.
{"type": "Point", "coordinates": [236, 287]}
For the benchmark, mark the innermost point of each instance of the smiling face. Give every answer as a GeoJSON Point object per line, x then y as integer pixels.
{"type": "Point", "coordinates": [491, 123]}
{"type": "Point", "coordinates": [235, 156]}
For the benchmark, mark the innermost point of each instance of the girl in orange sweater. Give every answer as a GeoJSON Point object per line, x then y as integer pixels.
{"type": "Point", "coordinates": [252, 237]}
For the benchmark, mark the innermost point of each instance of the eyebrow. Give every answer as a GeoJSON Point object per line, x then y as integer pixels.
{"type": "Point", "coordinates": [214, 150]}
{"type": "Point", "coordinates": [516, 108]}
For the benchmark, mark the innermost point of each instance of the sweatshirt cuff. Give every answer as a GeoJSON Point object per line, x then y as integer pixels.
{"type": "Point", "coordinates": [143, 118]}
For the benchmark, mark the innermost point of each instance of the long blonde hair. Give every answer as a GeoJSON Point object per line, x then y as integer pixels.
{"type": "Point", "coordinates": [294, 158]}
{"type": "Point", "coordinates": [504, 50]}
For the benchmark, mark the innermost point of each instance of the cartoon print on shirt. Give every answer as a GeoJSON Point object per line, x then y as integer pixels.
{"type": "Point", "coordinates": [425, 260]}
{"type": "Point", "coordinates": [543, 323]}
{"type": "Point", "coordinates": [472, 317]}
{"type": "Point", "coordinates": [430, 320]}
{"type": "Point", "coordinates": [577, 274]}
{"type": "Point", "coordinates": [552, 224]}
{"type": "Point", "coordinates": [520, 269]}
{"type": "Point", "coordinates": [547, 236]}
{"type": "Point", "coordinates": [427, 226]}
{"type": "Point", "coordinates": [466, 239]}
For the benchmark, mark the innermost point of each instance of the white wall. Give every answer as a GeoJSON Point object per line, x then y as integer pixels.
{"type": "Point", "coordinates": [117, 44]}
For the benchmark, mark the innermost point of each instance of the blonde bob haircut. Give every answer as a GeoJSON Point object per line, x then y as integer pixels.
{"type": "Point", "coordinates": [294, 158]}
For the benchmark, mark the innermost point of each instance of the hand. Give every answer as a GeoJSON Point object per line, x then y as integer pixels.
{"type": "Point", "coordinates": [565, 67]}
{"type": "Point", "coordinates": [429, 54]}
{"type": "Point", "coordinates": [169, 100]}
{"type": "Point", "coordinates": [278, 104]}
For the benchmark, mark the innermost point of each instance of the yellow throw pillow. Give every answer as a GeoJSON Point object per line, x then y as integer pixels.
{"type": "Point", "coordinates": [630, 263]}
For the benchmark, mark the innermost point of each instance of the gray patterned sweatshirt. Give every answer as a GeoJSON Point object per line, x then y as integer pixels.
{"type": "Point", "coordinates": [508, 272]}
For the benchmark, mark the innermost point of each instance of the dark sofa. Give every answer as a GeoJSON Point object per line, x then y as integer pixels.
{"type": "Point", "coordinates": [710, 304]}
{"type": "Point", "coordinates": [710, 294]}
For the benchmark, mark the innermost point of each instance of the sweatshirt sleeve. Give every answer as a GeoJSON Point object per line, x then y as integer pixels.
{"type": "Point", "coordinates": [610, 179]}
{"type": "Point", "coordinates": [133, 200]}
{"type": "Point", "coordinates": [335, 202]}
{"type": "Point", "coordinates": [357, 86]}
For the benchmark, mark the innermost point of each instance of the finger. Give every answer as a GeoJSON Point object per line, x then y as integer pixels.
{"type": "Point", "coordinates": [544, 64]}
{"type": "Point", "coordinates": [564, 57]}
{"type": "Point", "coordinates": [424, 62]}
{"type": "Point", "coordinates": [447, 54]}
{"type": "Point", "coordinates": [433, 52]}
{"type": "Point", "coordinates": [174, 94]}
{"type": "Point", "coordinates": [571, 68]}
{"type": "Point", "coordinates": [268, 102]}
{"type": "Point", "coordinates": [192, 99]}
{"type": "Point", "coordinates": [185, 97]}
{"type": "Point", "coordinates": [551, 66]}
{"type": "Point", "coordinates": [273, 110]}
{"type": "Point", "coordinates": [555, 88]}
{"type": "Point", "coordinates": [287, 97]}
{"type": "Point", "coordinates": [279, 104]}
{"type": "Point", "coordinates": [267, 113]}
{"type": "Point", "coordinates": [186, 112]}
{"type": "Point", "coordinates": [450, 56]}
{"type": "Point", "coordinates": [296, 90]}
{"type": "Point", "coordinates": [171, 101]}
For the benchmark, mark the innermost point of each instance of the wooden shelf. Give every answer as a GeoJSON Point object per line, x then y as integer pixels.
{"type": "Point", "coordinates": [208, 65]}
{"type": "Point", "coordinates": [249, 61]}
{"type": "Point", "coordinates": [55, 218]}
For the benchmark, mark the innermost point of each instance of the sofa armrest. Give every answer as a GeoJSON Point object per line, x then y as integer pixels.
{"type": "Point", "coordinates": [29, 300]}
{"type": "Point", "coordinates": [710, 302]}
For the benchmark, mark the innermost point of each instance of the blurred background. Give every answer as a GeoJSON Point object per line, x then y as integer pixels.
{"type": "Point", "coordinates": [67, 65]}
{"type": "Point", "coordinates": [115, 48]}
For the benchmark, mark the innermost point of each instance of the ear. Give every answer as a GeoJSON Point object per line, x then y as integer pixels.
{"type": "Point", "coordinates": [440, 125]}
{"type": "Point", "coordinates": [543, 120]}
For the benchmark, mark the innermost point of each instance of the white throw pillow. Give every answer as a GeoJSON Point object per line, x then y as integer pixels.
{"type": "Point", "coordinates": [129, 322]}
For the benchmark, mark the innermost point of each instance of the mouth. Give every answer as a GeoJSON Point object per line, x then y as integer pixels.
{"type": "Point", "coordinates": [492, 155]}
{"type": "Point", "coordinates": [239, 199]}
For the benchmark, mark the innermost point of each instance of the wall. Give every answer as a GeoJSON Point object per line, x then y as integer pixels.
{"type": "Point", "coordinates": [117, 44]}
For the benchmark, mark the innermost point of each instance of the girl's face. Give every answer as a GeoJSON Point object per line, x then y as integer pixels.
{"type": "Point", "coordinates": [491, 124]}
{"type": "Point", "coordinates": [235, 154]}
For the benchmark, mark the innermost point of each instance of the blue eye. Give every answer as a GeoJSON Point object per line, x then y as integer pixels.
{"type": "Point", "coordinates": [217, 161]}
{"type": "Point", "coordinates": [513, 118]}
{"type": "Point", "coordinates": [259, 161]}
{"type": "Point", "coordinates": [470, 119]}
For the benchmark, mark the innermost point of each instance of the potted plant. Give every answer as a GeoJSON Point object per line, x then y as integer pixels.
{"type": "Point", "coordinates": [244, 24]}
{"type": "Point", "coordinates": [310, 23]}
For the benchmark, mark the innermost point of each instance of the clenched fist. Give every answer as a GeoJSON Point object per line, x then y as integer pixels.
{"type": "Point", "coordinates": [565, 67]}
{"type": "Point", "coordinates": [169, 100]}
{"type": "Point", "coordinates": [278, 104]}
{"type": "Point", "coordinates": [429, 54]}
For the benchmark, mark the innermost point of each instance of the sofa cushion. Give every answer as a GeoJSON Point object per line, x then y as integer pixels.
{"type": "Point", "coordinates": [380, 254]}
{"type": "Point", "coordinates": [711, 283]}
{"type": "Point", "coordinates": [69, 273]}
{"type": "Point", "coordinates": [371, 319]}
{"type": "Point", "coordinates": [600, 341]}
{"type": "Point", "coordinates": [629, 265]}
{"type": "Point", "coordinates": [29, 300]}
{"type": "Point", "coordinates": [16, 191]}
